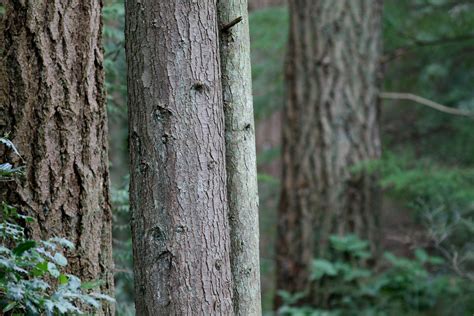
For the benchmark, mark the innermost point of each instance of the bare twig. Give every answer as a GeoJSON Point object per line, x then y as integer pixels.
{"type": "Point", "coordinates": [227, 27]}
{"type": "Point", "coordinates": [423, 101]}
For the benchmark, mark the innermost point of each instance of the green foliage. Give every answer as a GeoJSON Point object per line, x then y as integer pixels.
{"type": "Point", "coordinates": [268, 36]}
{"type": "Point", "coordinates": [427, 163]}
{"type": "Point", "coordinates": [31, 281]}
{"type": "Point", "coordinates": [124, 283]}
{"type": "Point", "coordinates": [115, 83]}
{"type": "Point", "coordinates": [441, 198]}
{"type": "Point", "coordinates": [7, 171]}
{"type": "Point", "coordinates": [115, 75]}
{"type": "Point", "coordinates": [407, 178]}
{"type": "Point", "coordinates": [114, 61]}
{"type": "Point", "coordinates": [427, 48]}
{"type": "Point", "coordinates": [413, 286]}
{"type": "Point", "coordinates": [31, 277]}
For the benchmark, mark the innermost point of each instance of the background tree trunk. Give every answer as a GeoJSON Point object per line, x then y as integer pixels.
{"type": "Point", "coordinates": [242, 190]}
{"type": "Point", "coordinates": [330, 126]}
{"type": "Point", "coordinates": [260, 4]}
{"type": "Point", "coordinates": [178, 190]}
{"type": "Point", "coordinates": [53, 106]}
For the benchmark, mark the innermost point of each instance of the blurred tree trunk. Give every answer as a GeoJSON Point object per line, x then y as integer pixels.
{"type": "Point", "coordinates": [330, 126]}
{"type": "Point", "coordinates": [242, 190]}
{"type": "Point", "coordinates": [261, 4]}
{"type": "Point", "coordinates": [53, 107]}
{"type": "Point", "coordinates": [178, 192]}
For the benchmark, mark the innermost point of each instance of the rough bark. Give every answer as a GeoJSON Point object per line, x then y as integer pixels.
{"type": "Point", "coordinates": [242, 190]}
{"type": "Point", "coordinates": [178, 190]}
{"type": "Point", "coordinates": [53, 107]}
{"type": "Point", "coordinates": [330, 126]}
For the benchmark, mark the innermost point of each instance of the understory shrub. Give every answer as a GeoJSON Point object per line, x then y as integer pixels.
{"type": "Point", "coordinates": [32, 281]}
{"type": "Point", "coordinates": [420, 285]}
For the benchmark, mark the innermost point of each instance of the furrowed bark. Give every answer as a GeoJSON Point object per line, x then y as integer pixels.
{"type": "Point", "coordinates": [178, 190]}
{"type": "Point", "coordinates": [330, 126]}
{"type": "Point", "coordinates": [242, 190]}
{"type": "Point", "coordinates": [53, 108]}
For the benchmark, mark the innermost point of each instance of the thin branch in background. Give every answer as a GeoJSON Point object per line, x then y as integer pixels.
{"type": "Point", "coordinates": [426, 102]}
{"type": "Point", "coordinates": [416, 43]}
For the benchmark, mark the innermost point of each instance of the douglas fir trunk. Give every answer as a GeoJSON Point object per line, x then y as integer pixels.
{"type": "Point", "coordinates": [178, 190]}
{"type": "Point", "coordinates": [330, 126]}
{"type": "Point", "coordinates": [53, 108]}
{"type": "Point", "coordinates": [240, 156]}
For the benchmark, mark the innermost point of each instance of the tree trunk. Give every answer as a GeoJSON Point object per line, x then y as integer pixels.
{"type": "Point", "coordinates": [53, 107]}
{"type": "Point", "coordinates": [178, 193]}
{"type": "Point", "coordinates": [242, 190]}
{"type": "Point", "coordinates": [261, 4]}
{"type": "Point", "coordinates": [330, 126]}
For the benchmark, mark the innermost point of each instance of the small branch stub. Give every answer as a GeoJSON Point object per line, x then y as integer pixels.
{"type": "Point", "coordinates": [229, 25]}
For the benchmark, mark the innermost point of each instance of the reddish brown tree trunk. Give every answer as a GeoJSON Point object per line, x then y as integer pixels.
{"type": "Point", "coordinates": [330, 126]}
{"type": "Point", "coordinates": [53, 107]}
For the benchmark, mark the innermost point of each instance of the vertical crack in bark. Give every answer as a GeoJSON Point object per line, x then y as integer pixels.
{"type": "Point", "coordinates": [54, 96]}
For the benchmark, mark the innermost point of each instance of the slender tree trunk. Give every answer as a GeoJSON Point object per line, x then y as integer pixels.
{"type": "Point", "coordinates": [242, 190]}
{"type": "Point", "coordinates": [178, 190]}
{"type": "Point", "coordinates": [330, 126]}
{"type": "Point", "coordinates": [53, 106]}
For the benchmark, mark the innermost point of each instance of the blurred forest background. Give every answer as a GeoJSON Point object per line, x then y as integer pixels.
{"type": "Point", "coordinates": [426, 170]}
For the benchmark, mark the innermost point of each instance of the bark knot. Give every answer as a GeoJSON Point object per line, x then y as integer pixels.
{"type": "Point", "coordinates": [199, 86]}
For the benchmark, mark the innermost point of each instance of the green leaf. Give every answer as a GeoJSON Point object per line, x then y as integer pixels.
{"type": "Point", "coordinates": [348, 243]}
{"type": "Point", "coordinates": [24, 246]}
{"type": "Point", "coordinates": [92, 284]}
{"type": "Point", "coordinates": [27, 219]}
{"type": "Point", "coordinates": [321, 268]}
{"type": "Point", "coordinates": [9, 306]}
{"type": "Point", "coordinates": [91, 301]}
{"type": "Point", "coordinates": [421, 255]}
{"type": "Point", "coordinates": [53, 270]}
{"type": "Point", "coordinates": [356, 273]}
{"type": "Point", "coordinates": [63, 279]}
{"type": "Point", "coordinates": [290, 298]}
{"type": "Point", "coordinates": [105, 297]}
{"type": "Point", "coordinates": [436, 260]}
{"type": "Point", "coordinates": [63, 242]}
{"type": "Point", "coordinates": [64, 307]}
{"type": "Point", "coordinates": [40, 269]}
{"type": "Point", "coordinates": [60, 259]}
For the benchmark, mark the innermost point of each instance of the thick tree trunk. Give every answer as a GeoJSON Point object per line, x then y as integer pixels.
{"type": "Point", "coordinates": [178, 190]}
{"type": "Point", "coordinates": [53, 106]}
{"type": "Point", "coordinates": [330, 126]}
{"type": "Point", "coordinates": [242, 190]}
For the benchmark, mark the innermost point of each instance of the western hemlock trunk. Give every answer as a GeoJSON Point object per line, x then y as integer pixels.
{"type": "Point", "coordinates": [53, 106]}
{"type": "Point", "coordinates": [178, 190]}
{"type": "Point", "coordinates": [240, 156]}
{"type": "Point", "coordinates": [330, 126]}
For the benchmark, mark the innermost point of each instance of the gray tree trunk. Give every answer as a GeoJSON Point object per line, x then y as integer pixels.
{"type": "Point", "coordinates": [178, 193]}
{"type": "Point", "coordinates": [330, 126]}
{"type": "Point", "coordinates": [53, 107]}
{"type": "Point", "coordinates": [242, 190]}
